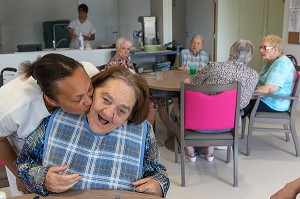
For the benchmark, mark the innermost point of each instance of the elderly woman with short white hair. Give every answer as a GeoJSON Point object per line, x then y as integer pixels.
{"type": "Point", "coordinates": [121, 58]}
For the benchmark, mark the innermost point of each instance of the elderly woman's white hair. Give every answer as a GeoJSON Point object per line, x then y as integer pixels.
{"type": "Point", "coordinates": [241, 50]}
{"type": "Point", "coordinates": [198, 37]}
{"type": "Point", "coordinates": [123, 40]}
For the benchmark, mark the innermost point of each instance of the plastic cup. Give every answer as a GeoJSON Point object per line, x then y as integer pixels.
{"type": "Point", "coordinates": [159, 75]}
{"type": "Point", "coordinates": [192, 70]}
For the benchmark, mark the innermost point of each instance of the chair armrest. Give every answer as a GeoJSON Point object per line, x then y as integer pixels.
{"type": "Point", "coordinates": [261, 95]}
{"type": "Point", "coordinates": [272, 95]}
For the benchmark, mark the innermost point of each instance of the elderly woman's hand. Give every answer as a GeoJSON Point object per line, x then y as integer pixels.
{"type": "Point", "coordinates": [58, 183]}
{"type": "Point", "coordinates": [182, 68]}
{"type": "Point", "coordinates": [148, 186]}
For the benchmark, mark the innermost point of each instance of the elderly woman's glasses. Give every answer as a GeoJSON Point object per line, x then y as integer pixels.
{"type": "Point", "coordinates": [266, 47]}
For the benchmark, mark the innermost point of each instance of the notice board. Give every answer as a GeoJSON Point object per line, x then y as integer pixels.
{"type": "Point", "coordinates": [294, 22]}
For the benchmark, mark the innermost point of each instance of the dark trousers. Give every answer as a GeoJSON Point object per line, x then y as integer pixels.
{"type": "Point", "coordinates": [262, 107]}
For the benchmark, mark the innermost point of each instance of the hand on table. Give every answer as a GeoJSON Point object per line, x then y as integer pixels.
{"type": "Point", "coordinates": [148, 186]}
{"type": "Point", "coordinates": [182, 68]}
{"type": "Point", "coordinates": [58, 183]}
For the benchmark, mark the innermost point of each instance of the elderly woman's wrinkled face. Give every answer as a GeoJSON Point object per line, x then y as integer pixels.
{"type": "Point", "coordinates": [268, 51]}
{"type": "Point", "coordinates": [196, 45]}
{"type": "Point", "coordinates": [124, 50]}
{"type": "Point", "coordinates": [111, 107]}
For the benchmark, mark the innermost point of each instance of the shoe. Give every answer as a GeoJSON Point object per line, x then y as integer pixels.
{"type": "Point", "coordinates": [221, 147]}
{"type": "Point", "coordinates": [208, 158]}
{"type": "Point", "coordinates": [191, 159]}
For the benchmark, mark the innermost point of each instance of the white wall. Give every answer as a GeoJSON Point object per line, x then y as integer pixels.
{"type": "Point", "coordinates": [227, 22]}
{"type": "Point", "coordinates": [22, 20]}
{"type": "Point", "coordinates": [178, 22]}
{"type": "Point", "coordinates": [129, 11]}
{"type": "Point", "coordinates": [293, 49]}
{"type": "Point", "coordinates": [162, 10]}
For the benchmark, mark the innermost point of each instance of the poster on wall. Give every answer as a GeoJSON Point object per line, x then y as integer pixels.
{"type": "Point", "coordinates": [294, 4]}
{"type": "Point", "coordinates": [294, 20]}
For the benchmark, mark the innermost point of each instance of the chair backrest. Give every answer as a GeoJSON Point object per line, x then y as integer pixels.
{"type": "Point", "coordinates": [213, 107]}
{"type": "Point", "coordinates": [293, 59]}
{"type": "Point", "coordinates": [296, 92]}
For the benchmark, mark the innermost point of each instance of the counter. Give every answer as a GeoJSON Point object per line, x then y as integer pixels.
{"type": "Point", "coordinates": [96, 56]}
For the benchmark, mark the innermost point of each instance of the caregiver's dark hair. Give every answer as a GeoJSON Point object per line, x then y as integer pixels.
{"type": "Point", "coordinates": [48, 70]}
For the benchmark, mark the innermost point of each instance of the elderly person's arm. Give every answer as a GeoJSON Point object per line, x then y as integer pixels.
{"type": "Point", "coordinates": [155, 178]}
{"type": "Point", "coordinates": [289, 191]}
{"type": "Point", "coordinates": [37, 178]}
{"type": "Point", "coordinates": [267, 88]}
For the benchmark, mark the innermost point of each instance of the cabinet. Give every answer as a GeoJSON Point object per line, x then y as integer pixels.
{"type": "Point", "coordinates": [247, 19]}
{"type": "Point", "coordinates": [266, 18]}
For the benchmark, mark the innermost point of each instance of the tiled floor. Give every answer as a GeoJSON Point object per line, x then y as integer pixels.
{"type": "Point", "coordinates": [272, 163]}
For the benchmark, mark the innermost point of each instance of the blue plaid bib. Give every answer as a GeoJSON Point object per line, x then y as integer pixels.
{"type": "Point", "coordinates": [106, 161]}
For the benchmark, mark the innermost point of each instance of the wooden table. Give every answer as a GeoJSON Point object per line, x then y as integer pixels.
{"type": "Point", "coordinates": [92, 194]}
{"type": "Point", "coordinates": [170, 82]}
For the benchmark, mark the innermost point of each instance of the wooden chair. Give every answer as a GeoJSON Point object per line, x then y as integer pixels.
{"type": "Point", "coordinates": [286, 118]}
{"type": "Point", "coordinates": [204, 112]}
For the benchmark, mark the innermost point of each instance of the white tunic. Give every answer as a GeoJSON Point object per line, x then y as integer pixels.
{"type": "Point", "coordinates": [87, 29]}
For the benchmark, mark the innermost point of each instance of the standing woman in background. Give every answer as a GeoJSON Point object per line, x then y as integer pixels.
{"type": "Point", "coordinates": [81, 25]}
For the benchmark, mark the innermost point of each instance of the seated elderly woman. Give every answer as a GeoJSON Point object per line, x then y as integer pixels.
{"type": "Point", "coordinates": [194, 56]}
{"type": "Point", "coordinates": [112, 147]}
{"type": "Point", "coordinates": [277, 76]}
{"type": "Point", "coordinates": [220, 73]}
{"type": "Point", "coordinates": [121, 58]}
{"type": "Point", "coordinates": [123, 47]}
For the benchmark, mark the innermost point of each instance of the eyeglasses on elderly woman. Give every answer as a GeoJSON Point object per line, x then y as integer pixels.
{"type": "Point", "coordinates": [266, 47]}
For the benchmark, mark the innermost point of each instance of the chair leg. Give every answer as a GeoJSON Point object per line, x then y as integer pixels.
{"type": "Point", "coordinates": [228, 154]}
{"type": "Point", "coordinates": [295, 138]}
{"type": "Point", "coordinates": [250, 127]}
{"type": "Point", "coordinates": [243, 128]}
{"type": "Point", "coordinates": [287, 135]}
{"type": "Point", "coordinates": [182, 165]}
{"type": "Point", "coordinates": [235, 164]}
{"type": "Point", "coordinates": [176, 149]}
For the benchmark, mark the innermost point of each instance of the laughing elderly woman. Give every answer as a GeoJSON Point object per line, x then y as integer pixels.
{"type": "Point", "coordinates": [112, 147]}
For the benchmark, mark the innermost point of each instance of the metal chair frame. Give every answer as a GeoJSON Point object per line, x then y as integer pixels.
{"type": "Point", "coordinates": [186, 137]}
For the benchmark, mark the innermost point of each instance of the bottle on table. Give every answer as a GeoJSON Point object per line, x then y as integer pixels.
{"type": "Point", "coordinates": [81, 42]}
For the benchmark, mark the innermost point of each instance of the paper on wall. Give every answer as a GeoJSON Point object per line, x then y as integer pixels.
{"type": "Point", "coordinates": [294, 20]}
{"type": "Point", "coordinates": [294, 4]}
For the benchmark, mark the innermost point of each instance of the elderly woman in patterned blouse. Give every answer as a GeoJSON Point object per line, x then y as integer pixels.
{"type": "Point", "coordinates": [121, 58]}
{"type": "Point", "coordinates": [112, 147]}
{"type": "Point", "coordinates": [219, 73]}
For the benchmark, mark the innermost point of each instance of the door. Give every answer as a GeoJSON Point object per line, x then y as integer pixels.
{"type": "Point", "coordinates": [275, 17]}
{"type": "Point", "coordinates": [251, 27]}
{"type": "Point", "coordinates": [199, 20]}
{"type": "Point", "coordinates": [268, 19]}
